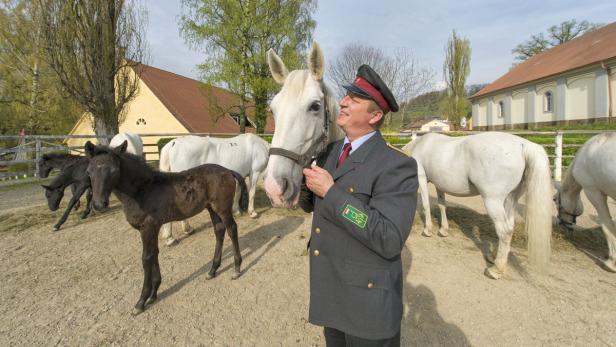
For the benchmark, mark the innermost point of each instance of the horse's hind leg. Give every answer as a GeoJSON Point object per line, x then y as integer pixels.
{"type": "Point", "coordinates": [504, 230]}
{"type": "Point", "coordinates": [254, 177]}
{"type": "Point", "coordinates": [231, 227]}
{"type": "Point", "coordinates": [73, 189]}
{"type": "Point", "coordinates": [219, 231]}
{"type": "Point", "coordinates": [599, 201]}
{"type": "Point", "coordinates": [166, 231]}
{"type": "Point", "coordinates": [425, 199]}
{"type": "Point", "coordinates": [442, 205]}
{"type": "Point", "coordinates": [71, 205]}
{"type": "Point", "coordinates": [88, 203]}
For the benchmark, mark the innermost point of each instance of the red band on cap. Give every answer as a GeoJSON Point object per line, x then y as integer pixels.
{"type": "Point", "coordinates": [373, 92]}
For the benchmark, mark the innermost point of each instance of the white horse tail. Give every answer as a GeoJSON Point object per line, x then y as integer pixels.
{"type": "Point", "coordinates": [538, 205]}
{"type": "Point", "coordinates": [164, 161]}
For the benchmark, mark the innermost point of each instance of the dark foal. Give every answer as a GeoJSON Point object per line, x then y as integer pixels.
{"type": "Point", "coordinates": [73, 173]}
{"type": "Point", "coordinates": [152, 198]}
{"type": "Point", "coordinates": [60, 161]}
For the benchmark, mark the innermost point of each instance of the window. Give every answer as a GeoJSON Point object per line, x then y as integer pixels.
{"type": "Point", "coordinates": [236, 118]}
{"type": "Point", "coordinates": [141, 121]}
{"type": "Point", "coordinates": [501, 109]}
{"type": "Point", "coordinates": [548, 102]}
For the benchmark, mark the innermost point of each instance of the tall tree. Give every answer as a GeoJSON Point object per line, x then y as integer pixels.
{"type": "Point", "coordinates": [456, 69]}
{"type": "Point", "coordinates": [31, 97]}
{"type": "Point", "coordinates": [235, 35]}
{"type": "Point", "coordinates": [95, 48]}
{"type": "Point", "coordinates": [400, 71]}
{"type": "Point", "coordinates": [556, 35]}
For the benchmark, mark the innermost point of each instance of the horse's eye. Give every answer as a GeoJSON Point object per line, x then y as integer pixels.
{"type": "Point", "coordinates": [315, 106]}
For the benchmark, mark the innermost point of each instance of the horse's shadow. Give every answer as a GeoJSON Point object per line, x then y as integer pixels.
{"type": "Point", "coordinates": [422, 324]}
{"type": "Point", "coordinates": [267, 236]}
{"type": "Point", "coordinates": [589, 241]}
{"type": "Point", "coordinates": [479, 228]}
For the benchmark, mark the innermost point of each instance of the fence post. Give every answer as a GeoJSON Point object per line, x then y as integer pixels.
{"type": "Point", "coordinates": [558, 159]}
{"type": "Point", "coordinates": [37, 156]}
{"type": "Point", "coordinates": [413, 136]}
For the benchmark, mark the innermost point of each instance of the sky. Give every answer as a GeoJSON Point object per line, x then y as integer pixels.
{"type": "Point", "coordinates": [493, 28]}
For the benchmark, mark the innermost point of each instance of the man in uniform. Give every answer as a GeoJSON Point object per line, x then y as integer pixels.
{"type": "Point", "coordinates": [364, 200]}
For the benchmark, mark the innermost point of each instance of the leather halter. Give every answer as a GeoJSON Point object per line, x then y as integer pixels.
{"type": "Point", "coordinates": [313, 151]}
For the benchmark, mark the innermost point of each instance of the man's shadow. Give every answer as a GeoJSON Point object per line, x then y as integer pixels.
{"type": "Point", "coordinates": [267, 236]}
{"type": "Point", "coordinates": [422, 325]}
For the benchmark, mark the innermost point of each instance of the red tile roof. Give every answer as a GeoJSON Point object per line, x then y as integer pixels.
{"type": "Point", "coordinates": [189, 101]}
{"type": "Point", "coordinates": [588, 49]}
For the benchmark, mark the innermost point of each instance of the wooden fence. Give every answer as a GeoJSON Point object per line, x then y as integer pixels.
{"type": "Point", "coordinates": [34, 146]}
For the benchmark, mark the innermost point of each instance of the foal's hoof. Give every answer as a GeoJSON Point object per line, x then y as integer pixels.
{"type": "Point", "coordinates": [493, 273]}
{"type": "Point", "coordinates": [171, 242]}
{"type": "Point", "coordinates": [56, 227]}
{"type": "Point", "coordinates": [254, 214]}
{"type": "Point", "coordinates": [210, 275]}
{"type": "Point", "coordinates": [610, 265]}
{"type": "Point", "coordinates": [443, 233]}
{"type": "Point", "coordinates": [151, 300]}
{"type": "Point", "coordinates": [236, 275]}
{"type": "Point", "coordinates": [426, 233]}
{"type": "Point", "coordinates": [136, 311]}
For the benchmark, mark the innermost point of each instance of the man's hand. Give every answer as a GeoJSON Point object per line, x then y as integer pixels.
{"type": "Point", "coordinates": [318, 180]}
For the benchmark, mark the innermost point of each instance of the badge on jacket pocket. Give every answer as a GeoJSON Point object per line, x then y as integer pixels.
{"type": "Point", "coordinates": [355, 216]}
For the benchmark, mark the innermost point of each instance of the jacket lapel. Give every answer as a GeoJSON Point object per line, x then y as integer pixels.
{"type": "Point", "coordinates": [357, 158]}
{"type": "Point", "coordinates": [332, 158]}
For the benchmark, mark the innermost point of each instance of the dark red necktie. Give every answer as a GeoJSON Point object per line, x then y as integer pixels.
{"type": "Point", "coordinates": [345, 153]}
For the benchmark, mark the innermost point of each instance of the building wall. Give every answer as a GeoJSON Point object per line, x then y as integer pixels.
{"type": "Point", "coordinates": [146, 114]}
{"type": "Point", "coordinates": [541, 113]}
{"type": "Point", "coordinates": [498, 119]}
{"type": "Point", "coordinates": [580, 97]}
{"type": "Point", "coordinates": [518, 106]}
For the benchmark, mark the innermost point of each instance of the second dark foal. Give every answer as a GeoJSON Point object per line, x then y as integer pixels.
{"type": "Point", "coordinates": [73, 173]}
{"type": "Point", "coordinates": [152, 198]}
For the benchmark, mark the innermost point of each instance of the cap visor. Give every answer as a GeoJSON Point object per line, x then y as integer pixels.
{"type": "Point", "coordinates": [358, 91]}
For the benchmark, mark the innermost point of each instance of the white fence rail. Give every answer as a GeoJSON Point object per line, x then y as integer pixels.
{"type": "Point", "coordinates": [34, 146]}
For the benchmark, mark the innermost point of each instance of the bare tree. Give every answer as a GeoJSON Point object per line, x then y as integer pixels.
{"type": "Point", "coordinates": [95, 47]}
{"type": "Point", "coordinates": [456, 69]}
{"type": "Point", "coordinates": [400, 71]}
{"type": "Point", "coordinates": [556, 35]}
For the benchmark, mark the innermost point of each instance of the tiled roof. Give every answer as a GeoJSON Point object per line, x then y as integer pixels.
{"type": "Point", "coordinates": [591, 48]}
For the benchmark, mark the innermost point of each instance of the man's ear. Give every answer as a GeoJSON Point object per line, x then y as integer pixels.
{"type": "Point", "coordinates": [90, 149]}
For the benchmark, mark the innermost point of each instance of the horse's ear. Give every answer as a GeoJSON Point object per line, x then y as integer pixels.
{"type": "Point", "coordinates": [121, 148]}
{"type": "Point", "coordinates": [316, 62]}
{"type": "Point", "coordinates": [90, 149]}
{"type": "Point", "coordinates": [277, 68]}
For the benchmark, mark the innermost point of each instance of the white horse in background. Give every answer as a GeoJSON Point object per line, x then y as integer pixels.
{"type": "Point", "coordinates": [499, 167]}
{"type": "Point", "coordinates": [305, 112]}
{"type": "Point", "coordinates": [135, 145]}
{"type": "Point", "coordinates": [245, 154]}
{"type": "Point", "coordinates": [594, 170]}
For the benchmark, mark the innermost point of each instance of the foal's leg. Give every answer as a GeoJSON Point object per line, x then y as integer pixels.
{"type": "Point", "coordinates": [425, 199]}
{"type": "Point", "coordinates": [71, 204]}
{"type": "Point", "coordinates": [219, 231]}
{"type": "Point", "coordinates": [167, 234]}
{"type": "Point", "coordinates": [73, 189]}
{"type": "Point", "coordinates": [442, 205]}
{"type": "Point", "coordinates": [254, 177]}
{"type": "Point", "coordinates": [88, 203]}
{"type": "Point", "coordinates": [151, 271]}
{"type": "Point", "coordinates": [504, 230]}
{"type": "Point", "coordinates": [231, 227]}
{"type": "Point", "coordinates": [599, 201]}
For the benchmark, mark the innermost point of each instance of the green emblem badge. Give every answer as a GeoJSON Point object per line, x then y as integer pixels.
{"type": "Point", "coordinates": [354, 215]}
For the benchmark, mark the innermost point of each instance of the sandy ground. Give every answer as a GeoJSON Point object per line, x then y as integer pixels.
{"type": "Point", "coordinates": [78, 286]}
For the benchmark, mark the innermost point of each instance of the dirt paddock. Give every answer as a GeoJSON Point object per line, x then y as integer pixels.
{"type": "Point", "coordinates": [77, 286]}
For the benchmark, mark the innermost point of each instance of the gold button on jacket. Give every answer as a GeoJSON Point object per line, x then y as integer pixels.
{"type": "Point", "coordinates": [370, 285]}
{"type": "Point", "coordinates": [317, 230]}
{"type": "Point", "coordinates": [316, 252]}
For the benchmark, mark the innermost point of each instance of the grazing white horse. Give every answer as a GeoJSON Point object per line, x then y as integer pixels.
{"type": "Point", "coordinates": [594, 170]}
{"type": "Point", "coordinates": [135, 145]}
{"type": "Point", "coordinates": [305, 113]}
{"type": "Point", "coordinates": [245, 154]}
{"type": "Point", "coordinates": [499, 167]}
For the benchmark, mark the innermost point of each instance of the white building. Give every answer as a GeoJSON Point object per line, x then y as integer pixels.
{"type": "Point", "coordinates": [571, 83]}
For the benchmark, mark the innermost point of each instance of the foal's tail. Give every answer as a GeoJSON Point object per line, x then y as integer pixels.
{"type": "Point", "coordinates": [164, 161]}
{"type": "Point", "coordinates": [538, 184]}
{"type": "Point", "coordinates": [243, 191]}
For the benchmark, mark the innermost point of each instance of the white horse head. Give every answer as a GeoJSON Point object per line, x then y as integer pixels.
{"type": "Point", "coordinates": [304, 113]}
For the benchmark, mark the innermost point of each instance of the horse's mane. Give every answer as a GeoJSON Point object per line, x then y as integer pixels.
{"type": "Point", "coordinates": [52, 156]}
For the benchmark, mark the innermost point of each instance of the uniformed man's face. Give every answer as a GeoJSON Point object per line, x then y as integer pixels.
{"type": "Point", "coordinates": [355, 117]}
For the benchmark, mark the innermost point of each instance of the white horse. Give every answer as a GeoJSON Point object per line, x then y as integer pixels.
{"type": "Point", "coordinates": [135, 145]}
{"type": "Point", "coordinates": [594, 170]}
{"type": "Point", "coordinates": [305, 112]}
{"type": "Point", "coordinates": [499, 167]}
{"type": "Point", "coordinates": [245, 154]}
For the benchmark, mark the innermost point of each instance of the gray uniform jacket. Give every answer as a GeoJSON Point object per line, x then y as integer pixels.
{"type": "Point", "coordinates": [358, 231]}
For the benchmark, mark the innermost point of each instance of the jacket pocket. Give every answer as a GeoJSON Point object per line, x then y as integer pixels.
{"type": "Point", "coordinates": [366, 276]}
